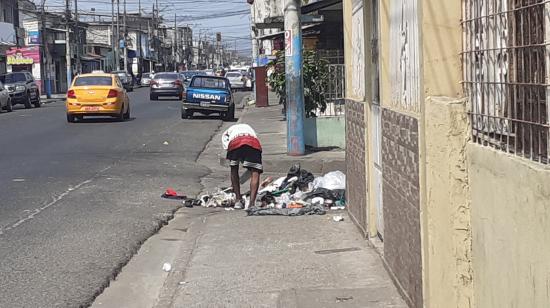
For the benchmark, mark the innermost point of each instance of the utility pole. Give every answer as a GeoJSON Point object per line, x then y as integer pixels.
{"type": "Point", "coordinates": [174, 47]}
{"type": "Point", "coordinates": [117, 53]}
{"type": "Point", "coordinates": [149, 44]}
{"type": "Point", "coordinates": [113, 45]}
{"type": "Point", "coordinates": [125, 50]}
{"type": "Point", "coordinates": [139, 36]}
{"type": "Point", "coordinates": [294, 80]}
{"type": "Point", "coordinates": [77, 34]}
{"type": "Point", "coordinates": [68, 44]}
{"type": "Point", "coordinates": [44, 74]}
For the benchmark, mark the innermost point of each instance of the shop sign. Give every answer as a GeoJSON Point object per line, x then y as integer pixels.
{"type": "Point", "coordinates": [22, 56]}
{"type": "Point", "coordinates": [33, 37]}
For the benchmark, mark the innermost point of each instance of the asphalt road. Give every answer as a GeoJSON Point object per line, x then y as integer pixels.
{"type": "Point", "coordinates": [77, 200]}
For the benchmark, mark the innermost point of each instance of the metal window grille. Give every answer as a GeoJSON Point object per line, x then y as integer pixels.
{"type": "Point", "coordinates": [506, 67]}
{"type": "Point", "coordinates": [334, 92]}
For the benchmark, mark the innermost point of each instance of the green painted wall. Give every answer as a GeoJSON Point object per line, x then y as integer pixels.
{"type": "Point", "coordinates": [325, 132]}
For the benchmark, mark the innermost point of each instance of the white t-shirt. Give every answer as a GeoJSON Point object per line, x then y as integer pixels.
{"type": "Point", "coordinates": [235, 131]}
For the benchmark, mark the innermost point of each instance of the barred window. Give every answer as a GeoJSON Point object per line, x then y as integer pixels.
{"type": "Point", "coordinates": [506, 69]}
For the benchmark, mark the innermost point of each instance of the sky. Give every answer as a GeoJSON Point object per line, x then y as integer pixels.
{"type": "Point", "coordinates": [205, 17]}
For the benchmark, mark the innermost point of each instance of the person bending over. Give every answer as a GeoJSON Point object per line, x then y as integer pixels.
{"type": "Point", "coordinates": [243, 147]}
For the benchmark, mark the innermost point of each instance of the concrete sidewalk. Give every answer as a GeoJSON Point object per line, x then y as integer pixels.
{"type": "Point", "coordinates": [54, 98]}
{"type": "Point", "coordinates": [224, 258]}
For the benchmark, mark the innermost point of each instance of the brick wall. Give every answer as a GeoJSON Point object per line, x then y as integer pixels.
{"type": "Point", "coordinates": [401, 199]}
{"type": "Point", "coordinates": [356, 191]}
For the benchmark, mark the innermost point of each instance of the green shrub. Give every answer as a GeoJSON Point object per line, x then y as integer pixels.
{"type": "Point", "coordinates": [315, 75]}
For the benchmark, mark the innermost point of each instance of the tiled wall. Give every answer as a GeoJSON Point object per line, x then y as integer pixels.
{"type": "Point", "coordinates": [355, 162]}
{"type": "Point", "coordinates": [401, 199]}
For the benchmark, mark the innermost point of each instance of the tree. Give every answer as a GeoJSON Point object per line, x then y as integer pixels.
{"type": "Point", "coordinates": [315, 76]}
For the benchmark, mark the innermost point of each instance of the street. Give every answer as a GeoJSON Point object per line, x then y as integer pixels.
{"type": "Point", "coordinates": [79, 199]}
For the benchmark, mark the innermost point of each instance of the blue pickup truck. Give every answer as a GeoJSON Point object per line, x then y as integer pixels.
{"type": "Point", "coordinates": [207, 95]}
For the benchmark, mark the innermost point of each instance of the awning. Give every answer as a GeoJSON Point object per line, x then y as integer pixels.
{"type": "Point", "coordinates": [319, 5]}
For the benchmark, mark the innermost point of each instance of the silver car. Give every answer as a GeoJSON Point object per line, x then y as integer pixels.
{"type": "Point", "coordinates": [5, 100]}
{"type": "Point", "coordinates": [146, 79]}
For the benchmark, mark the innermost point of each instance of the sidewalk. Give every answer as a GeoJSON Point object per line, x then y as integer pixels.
{"type": "Point", "coordinates": [226, 259]}
{"type": "Point", "coordinates": [54, 98]}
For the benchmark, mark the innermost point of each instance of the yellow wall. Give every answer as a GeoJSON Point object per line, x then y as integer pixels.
{"type": "Point", "coordinates": [347, 45]}
{"type": "Point", "coordinates": [511, 229]}
{"type": "Point", "coordinates": [448, 268]}
{"type": "Point", "coordinates": [446, 232]}
{"type": "Point", "coordinates": [384, 53]}
{"type": "Point", "coordinates": [441, 35]}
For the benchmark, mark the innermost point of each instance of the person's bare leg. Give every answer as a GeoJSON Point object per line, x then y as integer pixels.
{"type": "Point", "coordinates": [235, 182]}
{"type": "Point", "coordinates": [254, 185]}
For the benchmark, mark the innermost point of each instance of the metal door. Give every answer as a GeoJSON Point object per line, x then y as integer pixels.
{"type": "Point", "coordinates": [376, 124]}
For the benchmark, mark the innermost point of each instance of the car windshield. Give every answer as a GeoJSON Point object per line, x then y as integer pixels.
{"type": "Point", "coordinates": [206, 82]}
{"type": "Point", "coordinates": [146, 75]}
{"type": "Point", "coordinates": [233, 75]}
{"type": "Point", "coordinates": [171, 76]}
{"type": "Point", "coordinates": [93, 81]}
{"type": "Point", "coordinates": [17, 77]}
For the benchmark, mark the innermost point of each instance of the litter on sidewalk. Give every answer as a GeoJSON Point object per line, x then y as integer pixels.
{"type": "Point", "coordinates": [297, 193]}
{"type": "Point", "coordinates": [300, 193]}
{"type": "Point", "coordinates": [170, 193]}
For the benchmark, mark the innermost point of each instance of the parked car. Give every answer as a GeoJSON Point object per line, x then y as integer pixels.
{"type": "Point", "coordinates": [207, 95]}
{"type": "Point", "coordinates": [22, 89]}
{"type": "Point", "coordinates": [97, 95]}
{"type": "Point", "coordinates": [236, 79]}
{"type": "Point", "coordinates": [126, 79]}
{"type": "Point", "coordinates": [166, 84]}
{"type": "Point", "coordinates": [209, 72]}
{"type": "Point", "coordinates": [5, 100]}
{"type": "Point", "coordinates": [146, 79]}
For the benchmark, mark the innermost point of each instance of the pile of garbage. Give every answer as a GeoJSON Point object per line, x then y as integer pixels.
{"type": "Point", "coordinates": [300, 193]}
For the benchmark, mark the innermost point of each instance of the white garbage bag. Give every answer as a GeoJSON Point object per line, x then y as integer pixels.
{"type": "Point", "coordinates": [331, 180]}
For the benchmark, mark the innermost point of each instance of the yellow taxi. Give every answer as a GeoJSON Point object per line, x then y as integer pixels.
{"type": "Point", "coordinates": [97, 94]}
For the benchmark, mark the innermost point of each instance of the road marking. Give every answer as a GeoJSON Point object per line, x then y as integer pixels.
{"type": "Point", "coordinates": [18, 180]}
{"type": "Point", "coordinates": [55, 200]}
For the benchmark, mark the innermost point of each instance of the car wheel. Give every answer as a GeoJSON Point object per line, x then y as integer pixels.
{"type": "Point", "coordinates": [186, 114]}
{"type": "Point", "coordinates": [127, 114]}
{"type": "Point", "coordinates": [9, 106]}
{"type": "Point", "coordinates": [230, 114]}
{"type": "Point", "coordinates": [37, 103]}
{"type": "Point", "coordinates": [120, 116]}
{"type": "Point", "coordinates": [70, 118]}
{"type": "Point", "coordinates": [153, 97]}
{"type": "Point", "coordinates": [28, 103]}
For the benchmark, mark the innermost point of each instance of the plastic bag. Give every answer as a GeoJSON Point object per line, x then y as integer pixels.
{"type": "Point", "coordinates": [332, 180]}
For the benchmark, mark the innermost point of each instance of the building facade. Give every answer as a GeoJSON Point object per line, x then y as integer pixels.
{"type": "Point", "coordinates": [447, 146]}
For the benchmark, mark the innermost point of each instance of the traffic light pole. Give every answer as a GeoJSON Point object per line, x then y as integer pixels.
{"type": "Point", "coordinates": [294, 79]}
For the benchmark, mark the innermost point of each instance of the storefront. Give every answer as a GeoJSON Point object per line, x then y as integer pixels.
{"type": "Point", "coordinates": [25, 59]}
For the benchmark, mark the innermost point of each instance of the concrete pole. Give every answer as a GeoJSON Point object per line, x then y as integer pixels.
{"type": "Point", "coordinates": [117, 50]}
{"type": "Point", "coordinates": [125, 50]}
{"type": "Point", "coordinates": [77, 35]}
{"type": "Point", "coordinates": [44, 74]}
{"type": "Point", "coordinates": [113, 44]}
{"type": "Point", "coordinates": [294, 80]}
{"type": "Point", "coordinates": [68, 44]}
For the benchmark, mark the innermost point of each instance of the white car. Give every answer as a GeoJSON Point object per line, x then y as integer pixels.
{"type": "Point", "coordinates": [236, 79]}
{"type": "Point", "coordinates": [146, 79]}
{"type": "Point", "coordinates": [5, 100]}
